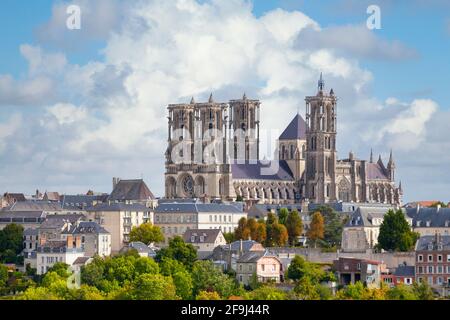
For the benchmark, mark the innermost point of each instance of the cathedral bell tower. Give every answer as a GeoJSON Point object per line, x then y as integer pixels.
{"type": "Point", "coordinates": [321, 154]}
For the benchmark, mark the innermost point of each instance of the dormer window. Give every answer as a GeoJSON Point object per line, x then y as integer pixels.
{"type": "Point", "coordinates": [428, 223]}
{"type": "Point", "coordinates": [202, 238]}
{"type": "Point", "coordinates": [418, 223]}
{"type": "Point", "coordinates": [192, 239]}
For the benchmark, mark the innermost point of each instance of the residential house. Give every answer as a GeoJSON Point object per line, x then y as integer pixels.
{"type": "Point", "coordinates": [30, 240]}
{"type": "Point", "coordinates": [142, 249]}
{"type": "Point", "coordinates": [118, 219]}
{"type": "Point", "coordinates": [403, 274]}
{"type": "Point", "coordinates": [433, 262]}
{"type": "Point", "coordinates": [53, 225]}
{"type": "Point", "coordinates": [351, 270]}
{"type": "Point", "coordinates": [76, 203]}
{"type": "Point", "coordinates": [227, 255]}
{"type": "Point", "coordinates": [9, 199]}
{"type": "Point", "coordinates": [50, 252]}
{"type": "Point", "coordinates": [51, 196]}
{"type": "Point", "coordinates": [429, 221]}
{"type": "Point", "coordinates": [204, 240]}
{"type": "Point", "coordinates": [95, 240]}
{"type": "Point", "coordinates": [362, 230]}
{"type": "Point", "coordinates": [176, 218]}
{"type": "Point", "coordinates": [132, 192]}
{"type": "Point", "coordinates": [267, 268]}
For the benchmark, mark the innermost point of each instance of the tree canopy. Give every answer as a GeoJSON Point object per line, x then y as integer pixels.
{"type": "Point", "coordinates": [395, 232]}
{"type": "Point", "coordinates": [146, 233]}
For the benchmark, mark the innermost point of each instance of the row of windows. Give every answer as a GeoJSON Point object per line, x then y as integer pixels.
{"type": "Point", "coordinates": [430, 258]}
{"type": "Point", "coordinates": [177, 230]}
{"type": "Point", "coordinates": [437, 280]}
{"type": "Point", "coordinates": [219, 218]}
{"type": "Point", "coordinates": [51, 260]}
{"type": "Point", "coordinates": [272, 267]}
{"type": "Point", "coordinates": [433, 269]}
{"type": "Point", "coordinates": [179, 219]}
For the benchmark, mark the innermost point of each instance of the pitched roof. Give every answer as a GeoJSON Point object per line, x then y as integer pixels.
{"type": "Point", "coordinates": [364, 216]}
{"type": "Point", "coordinates": [131, 190]}
{"type": "Point", "coordinates": [81, 261]}
{"type": "Point", "coordinates": [35, 206]}
{"type": "Point", "coordinates": [436, 218]}
{"type": "Point", "coordinates": [376, 172]}
{"type": "Point", "coordinates": [112, 207]}
{"type": "Point", "coordinates": [51, 196]}
{"type": "Point", "coordinates": [405, 271]}
{"type": "Point", "coordinates": [86, 227]}
{"type": "Point", "coordinates": [254, 256]}
{"type": "Point", "coordinates": [296, 130]}
{"type": "Point", "coordinates": [209, 235]}
{"type": "Point", "coordinates": [175, 207]}
{"type": "Point", "coordinates": [258, 170]}
{"type": "Point", "coordinates": [425, 241]}
{"type": "Point", "coordinates": [81, 201]}
{"type": "Point", "coordinates": [15, 196]}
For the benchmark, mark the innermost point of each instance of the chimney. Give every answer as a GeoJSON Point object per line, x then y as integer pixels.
{"type": "Point", "coordinates": [115, 182]}
{"type": "Point", "coordinates": [438, 207]}
{"type": "Point", "coordinates": [78, 242]}
{"type": "Point", "coordinates": [42, 240]}
{"type": "Point", "coordinates": [69, 242]}
{"type": "Point", "coordinates": [418, 207]}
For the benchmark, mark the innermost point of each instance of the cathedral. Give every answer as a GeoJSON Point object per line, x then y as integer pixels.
{"type": "Point", "coordinates": [306, 168]}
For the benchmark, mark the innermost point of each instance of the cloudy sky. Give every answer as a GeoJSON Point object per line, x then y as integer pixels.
{"type": "Point", "coordinates": [78, 107]}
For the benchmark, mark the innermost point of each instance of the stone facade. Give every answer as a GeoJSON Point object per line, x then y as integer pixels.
{"type": "Point", "coordinates": [306, 166]}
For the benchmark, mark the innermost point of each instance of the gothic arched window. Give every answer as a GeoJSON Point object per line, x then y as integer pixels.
{"type": "Point", "coordinates": [292, 152]}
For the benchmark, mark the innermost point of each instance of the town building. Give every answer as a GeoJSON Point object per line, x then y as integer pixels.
{"type": "Point", "coordinates": [142, 249]}
{"type": "Point", "coordinates": [131, 192]}
{"type": "Point", "coordinates": [30, 240]}
{"type": "Point", "coordinates": [403, 274]}
{"type": "Point", "coordinates": [429, 221]}
{"type": "Point", "coordinates": [77, 203]}
{"type": "Point", "coordinates": [118, 219]}
{"type": "Point", "coordinates": [27, 219]}
{"type": "Point", "coordinates": [51, 252]}
{"type": "Point", "coordinates": [363, 228]}
{"type": "Point", "coordinates": [226, 256]}
{"type": "Point", "coordinates": [351, 270]}
{"type": "Point", "coordinates": [204, 240]}
{"type": "Point", "coordinates": [95, 240]}
{"type": "Point", "coordinates": [175, 218]}
{"type": "Point", "coordinates": [9, 199]}
{"type": "Point", "coordinates": [306, 165]}
{"type": "Point", "coordinates": [433, 262]}
{"type": "Point", "coordinates": [265, 267]}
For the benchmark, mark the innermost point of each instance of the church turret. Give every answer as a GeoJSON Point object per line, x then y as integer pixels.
{"type": "Point", "coordinates": [371, 155]}
{"type": "Point", "coordinates": [321, 154]}
{"type": "Point", "coordinates": [391, 167]}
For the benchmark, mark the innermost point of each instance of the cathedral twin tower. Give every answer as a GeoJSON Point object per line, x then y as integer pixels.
{"type": "Point", "coordinates": [308, 166]}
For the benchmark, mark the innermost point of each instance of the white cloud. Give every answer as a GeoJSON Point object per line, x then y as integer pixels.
{"type": "Point", "coordinates": [109, 117]}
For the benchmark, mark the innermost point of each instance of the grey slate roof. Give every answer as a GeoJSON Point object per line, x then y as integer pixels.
{"type": "Point", "coordinates": [135, 190]}
{"type": "Point", "coordinates": [425, 241]}
{"type": "Point", "coordinates": [246, 245]}
{"type": "Point", "coordinates": [81, 201]}
{"type": "Point", "coordinates": [35, 206]}
{"type": "Point", "coordinates": [405, 271]}
{"type": "Point", "coordinates": [81, 261]}
{"type": "Point", "coordinates": [437, 218]}
{"type": "Point", "coordinates": [119, 207]}
{"type": "Point", "coordinates": [196, 208]}
{"type": "Point", "coordinates": [250, 171]}
{"type": "Point", "coordinates": [363, 216]}
{"type": "Point", "coordinates": [140, 247]}
{"type": "Point", "coordinates": [209, 235]}
{"type": "Point", "coordinates": [86, 227]}
{"type": "Point", "coordinates": [22, 217]}
{"type": "Point", "coordinates": [30, 232]}
{"type": "Point", "coordinates": [376, 172]}
{"type": "Point", "coordinates": [252, 256]}
{"type": "Point", "coordinates": [295, 130]}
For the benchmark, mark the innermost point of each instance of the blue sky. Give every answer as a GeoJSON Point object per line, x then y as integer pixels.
{"type": "Point", "coordinates": [406, 62]}
{"type": "Point", "coordinates": [422, 27]}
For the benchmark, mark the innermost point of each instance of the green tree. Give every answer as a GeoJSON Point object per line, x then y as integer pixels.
{"type": "Point", "coordinates": [333, 225]}
{"type": "Point", "coordinates": [180, 251]}
{"type": "Point", "coordinates": [206, 295]}
{"type": "Point", "coordinates": [40, 293]}
{"type": "Point", "coordinates": [11, 243]}
{"type": "Point", "coordinates": [300, 268]}
{"type": "Point", "coordinates": [401, 292]}
{"type": "Point", "coordinates": [61, 269]}
{"type": "Point", "coordinates": [316, 229]}
{"type": "Point", "coordinates": [88, 293]}
{"type": "Point", "coordinates": [423, 291]}
{"type": "Point", "coordinates": [145, 265]}
{"type": "Point", "coordinates": [229, 237]}
{"type": "Point", "coordinates": [183, 284]}
{"type": "Point", "coordinates": [153, 287]}
{"type": "Point", "coordinates": [294, 225]}
{"type": "Point", "coordinates": [395, 232]}
{"type": "Point", "coordinates": [4, 275]}
{"type": "Point", "coordinates": [267, 293]}
{"type": "Point", "coordinates": [169, 267]}
{"type": "Point", "coordinates": [207, 277]}
{"type": "Point", "coordinates": [305, 289]}
{"type": "Point", "coordinates": [283, 215]}
{"type": "Point", "coordinates": [146, 233]}
{"type": "Point", "coordinates": [92, 273]}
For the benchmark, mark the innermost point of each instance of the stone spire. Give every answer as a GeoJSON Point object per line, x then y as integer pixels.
{"type": "Point", "coordinates": [192, 100]}
{"type": "Point", "coordinates": [371, 155]}
{"type": "Point", "coordinates": [400, 186]}
{"type": "Point", "coordinates": [391, 163]}
{"type": "Point", "coordinates": [211, 100]}
{"type": "Point", "coordinates": [321, 83]}
{"type": "Point", "coordinates": [244, 97]}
